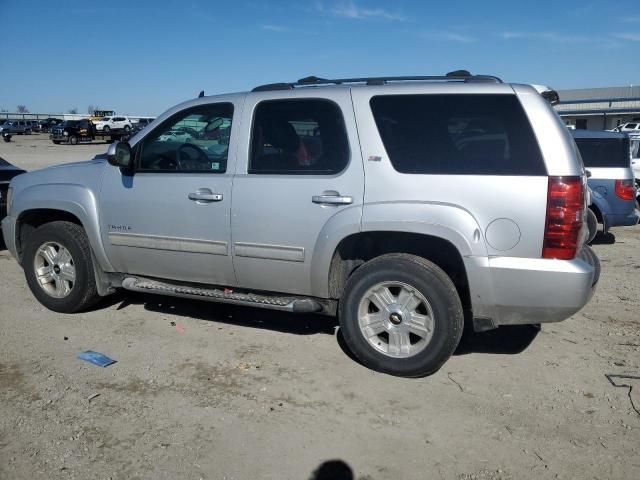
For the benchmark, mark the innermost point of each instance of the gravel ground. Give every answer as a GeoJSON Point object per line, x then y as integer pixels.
{"type": "Point", "coordinates": [210, 391]}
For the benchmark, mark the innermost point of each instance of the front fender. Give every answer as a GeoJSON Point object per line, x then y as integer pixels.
{"type": "Point", "coordinates": [75, 199]}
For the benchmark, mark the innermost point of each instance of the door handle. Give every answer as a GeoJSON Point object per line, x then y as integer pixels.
{"type": "Point", "coordinates": [205, 195]}
{"type": "Point", "coordinates": [332, 199]}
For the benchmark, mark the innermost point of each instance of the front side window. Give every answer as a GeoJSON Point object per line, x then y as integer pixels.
{"type": "Point", "coordinates": [195, 140]}
{"type": "Point", "coordinates": [468, 134]}
{"type": "Point", "coordinates": [297, 137]}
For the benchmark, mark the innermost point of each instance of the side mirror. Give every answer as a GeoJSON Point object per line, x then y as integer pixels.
{"type": "Point", "coordinates": [119, 155]}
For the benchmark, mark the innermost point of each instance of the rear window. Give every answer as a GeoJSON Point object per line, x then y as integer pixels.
{"type": "Point", "coordinates": [604, 152]}
{"type": "Point", "coordinates": [457, 134]}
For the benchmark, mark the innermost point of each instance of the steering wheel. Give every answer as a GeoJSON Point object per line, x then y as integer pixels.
{"type": "Point", "coordinates": [201, 156]}
{"type": "Point", "coordinates": [165, 162]}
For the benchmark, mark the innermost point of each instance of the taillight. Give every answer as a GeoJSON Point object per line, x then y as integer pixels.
{"type": "Point", "coordinates": [625, 190]}
{"type": "Point", "coordinates": [565, 211]}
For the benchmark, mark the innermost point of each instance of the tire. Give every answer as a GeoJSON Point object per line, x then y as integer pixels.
{"type": "Point", "coordinates": [127, 128]}
{"type": "Point", "coordinates": [73, 140]}
{"type": "Point", "coordinates": [106, 130]}
{"type": "Point", "coordinates": [592, 223]}
{"type": "Point", "coordinates": [404, 277]}
{"type": "Point", "coordinates": [53, 240]}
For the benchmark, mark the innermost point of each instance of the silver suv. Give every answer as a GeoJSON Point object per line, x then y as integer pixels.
{"type": "Point", "coordinates": [403, 205]}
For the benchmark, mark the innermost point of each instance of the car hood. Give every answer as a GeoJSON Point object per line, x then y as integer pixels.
{"type": "Point", "coordinates": [80, 173]}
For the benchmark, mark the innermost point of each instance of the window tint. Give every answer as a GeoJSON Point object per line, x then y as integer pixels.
{"type": "Point", "coordinates": [195, 140]}
{"type": "Point", "coordinates": [457, 134]}
{"type": "Point", "coordinates": [635, 148]}
{"type": "Point", "coordinates": [298, 137]}
{"type": "Point", "coordinates": [604, 152]}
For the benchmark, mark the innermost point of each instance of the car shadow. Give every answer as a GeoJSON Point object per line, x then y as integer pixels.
{"type": "Point", "coordinates": [604, 239]}
{"type": "Point", "coordinates": [278, 321]}
{"type": "Point", "coordinates": [506, 339]}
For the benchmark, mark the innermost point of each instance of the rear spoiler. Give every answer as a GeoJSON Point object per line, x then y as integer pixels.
{"type": "Point", "coordinates": [548, 93]}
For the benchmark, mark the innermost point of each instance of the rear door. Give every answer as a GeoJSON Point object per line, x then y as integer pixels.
{"type": "Point", "coordinates": [299, 183]}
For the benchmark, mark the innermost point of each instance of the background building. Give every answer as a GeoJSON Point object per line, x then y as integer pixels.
{"type": "Point", "coordinates": [599, 108]}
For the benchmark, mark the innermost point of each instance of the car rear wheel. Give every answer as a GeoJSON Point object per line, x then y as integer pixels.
{"type": "Point", "coordinates": [401, 314]}
{"type": "Point", "coordinates": [127, 128]}
{"type": "Point", "coordinates": [58, 267]}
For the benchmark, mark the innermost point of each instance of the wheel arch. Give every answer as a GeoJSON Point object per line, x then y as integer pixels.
{"type": "Point", "coordinates": [358, 248]}
{"type": "Point", "coordinates": [42, 204]}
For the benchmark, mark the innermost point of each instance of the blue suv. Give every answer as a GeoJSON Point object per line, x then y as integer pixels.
{"type": "Point", "coordinates": [607, 156]}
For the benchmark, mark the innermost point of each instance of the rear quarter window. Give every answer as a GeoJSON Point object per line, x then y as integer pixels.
{"type": "Point", "coordinates": [604, 152]}
{"type": "Point", "coordinates": [466, 134]}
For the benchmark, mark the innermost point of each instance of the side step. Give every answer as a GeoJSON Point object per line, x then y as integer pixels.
{"type": "Point", "coordinates": [288, 304]}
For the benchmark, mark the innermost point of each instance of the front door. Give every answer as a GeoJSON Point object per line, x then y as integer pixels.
{"type": "Point", "coordinates": [170, 218]}
{"type": "Point", "coordinates": [299, 182]}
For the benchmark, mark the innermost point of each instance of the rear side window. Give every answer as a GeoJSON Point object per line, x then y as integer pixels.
{"type": "Point", "coordinates": [604, 152]}
{"type": "Point", "coordinates": [457, 134]}
{"type": "Point", "coordinates": [298, 137]}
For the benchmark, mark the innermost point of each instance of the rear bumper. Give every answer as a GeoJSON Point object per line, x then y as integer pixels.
{"type": "Point", "coordinates": [623, 220]}
{"type": "Point", "coordinates": [531, 290]}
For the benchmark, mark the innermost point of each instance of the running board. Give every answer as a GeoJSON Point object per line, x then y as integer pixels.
{"type": "Point", "coordinates": [287, 304]}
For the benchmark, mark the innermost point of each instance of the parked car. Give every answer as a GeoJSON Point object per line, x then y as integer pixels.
{"type": "Point", "coordinates": [635, 163]}
{"type": "Point", "coordinates": [627, 127]}
{"type": "Point", "coordinates": [73, 132]}
{"type": "Point", "coordinates": [108, 124]}
{"type": "Point", "coordinates": [19, 127]}
{"type": "Point", "coordinates": [140, 124]}
{"type": "Point", "coordinates": [395, 203]}
{"type": "Point", "coordinates": [606, 157]}
{"type": "Point", "coordinates": [7, 172]}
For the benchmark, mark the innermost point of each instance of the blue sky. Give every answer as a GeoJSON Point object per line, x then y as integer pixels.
{"type": "Point", "coordinates": [141, 57]}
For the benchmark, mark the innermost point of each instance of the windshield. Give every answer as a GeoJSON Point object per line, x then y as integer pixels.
{"type": "Point", "coordinates": [71, 123]}
{"type": "Point", "coordinates": [105, 119]}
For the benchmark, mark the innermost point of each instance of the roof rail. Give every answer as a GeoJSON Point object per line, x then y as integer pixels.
{"type": "Point", "coordinates": [458, 76]}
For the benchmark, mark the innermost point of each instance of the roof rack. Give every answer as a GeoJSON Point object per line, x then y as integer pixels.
{"type": "Point", "coordinates": [458, 75]}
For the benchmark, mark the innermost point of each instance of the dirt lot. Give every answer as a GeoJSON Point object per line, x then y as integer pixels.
{"type": "Point", "coordinates": [216, 392]}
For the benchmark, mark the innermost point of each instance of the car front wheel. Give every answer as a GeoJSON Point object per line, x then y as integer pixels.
{"type": "Point", "coordinates": [58, 267]}
{"type": "Point", "coordinates": [401, 314]}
